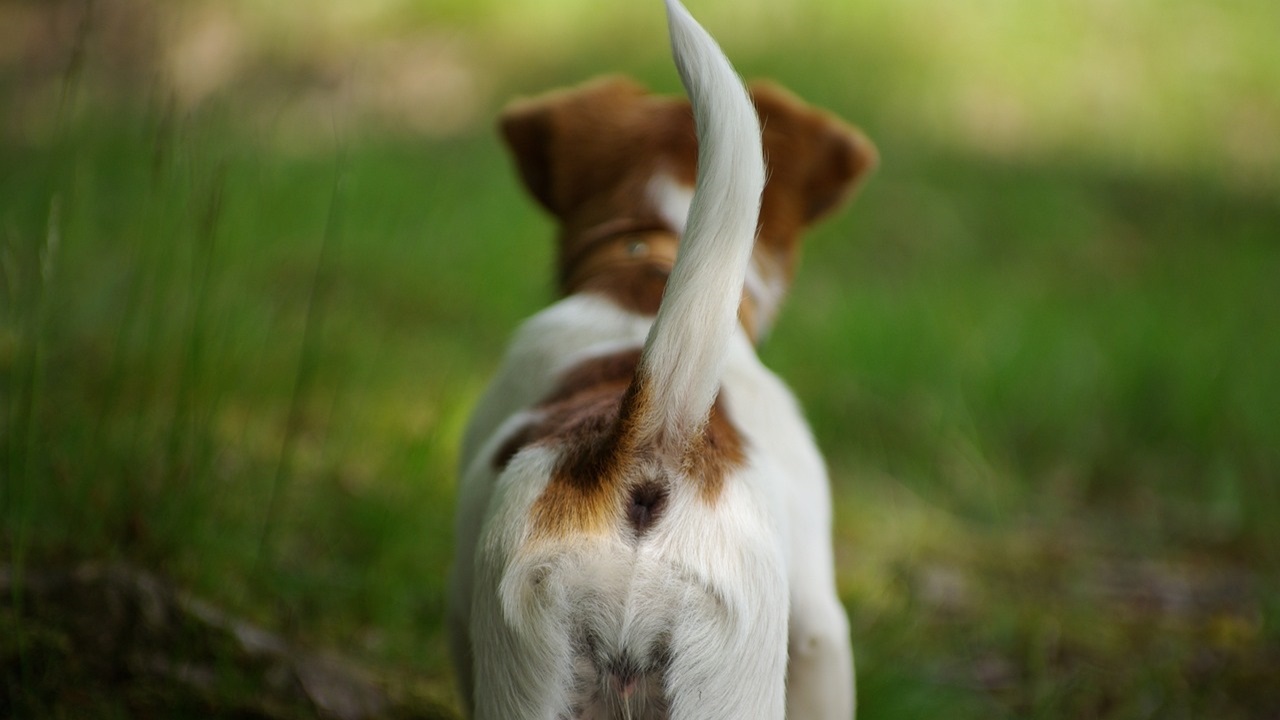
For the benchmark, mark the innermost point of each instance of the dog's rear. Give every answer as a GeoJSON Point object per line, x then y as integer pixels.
{"type": "Point", "coordinates": [617, 574]}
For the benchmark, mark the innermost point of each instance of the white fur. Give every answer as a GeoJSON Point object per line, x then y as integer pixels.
{"type": "Point", "coordinates": [766, 288]}
{"type": "Point", "coordinates": [684, 352]}
{"type": "Point", "coordinates": [671, 198]}
{"type": "Point", "coordinates": [725, 590]}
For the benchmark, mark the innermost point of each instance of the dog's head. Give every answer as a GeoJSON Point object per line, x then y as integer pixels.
{"type": "Point", "coordinates": [616, 164]}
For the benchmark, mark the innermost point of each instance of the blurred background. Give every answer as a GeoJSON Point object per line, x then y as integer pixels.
{"type": "Point", "coordinates": [258, 259]}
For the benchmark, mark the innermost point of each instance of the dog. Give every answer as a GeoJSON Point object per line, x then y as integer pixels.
{"type": "Point", "coordinates": [644, 520]}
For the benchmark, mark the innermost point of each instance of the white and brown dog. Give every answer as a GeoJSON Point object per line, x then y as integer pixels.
{"type": "Point", "coordinates": [644, 522]}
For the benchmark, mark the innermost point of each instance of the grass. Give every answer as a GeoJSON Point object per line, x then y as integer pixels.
{"type": "Point", "coordinates": [1038, 352]}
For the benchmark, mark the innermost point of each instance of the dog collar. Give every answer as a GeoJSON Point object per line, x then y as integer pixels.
{"type": "Point", "coordinates": [623, 246]}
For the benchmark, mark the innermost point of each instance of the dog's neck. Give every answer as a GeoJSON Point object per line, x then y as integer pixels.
{"type": "Point", "coordinates": [629, 261]}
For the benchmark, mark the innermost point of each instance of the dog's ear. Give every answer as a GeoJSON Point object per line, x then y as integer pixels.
{"type": "Point", "coordinates": [555, 138]}
{"type": "Point", "coordinates": [526, 126]}
{"type": "Point", "coordinates": [814, 157]}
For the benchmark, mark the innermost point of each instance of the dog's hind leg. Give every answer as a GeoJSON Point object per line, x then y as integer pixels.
{"type": "Point", "coordinates": [820, 678]}
{"type": "Point", "coordinates": [728, 647]}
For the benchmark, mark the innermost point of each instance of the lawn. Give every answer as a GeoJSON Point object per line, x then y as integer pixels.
{"type": "Point", "coordinates": [257, 261]}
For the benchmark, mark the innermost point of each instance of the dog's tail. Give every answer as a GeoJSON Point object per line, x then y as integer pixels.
{"type": "Point", "coordinates": [679, 373]}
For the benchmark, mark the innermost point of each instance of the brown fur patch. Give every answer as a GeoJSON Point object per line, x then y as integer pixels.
{"type": "Point", "coordinates": [584, 493]}
{"type": "Point", "coordinates": [720, 449]}
{"type": "Point", "coordinates": [595, 485]}
{"type": "Point", "coordinates": [594, 374]}
{"type": "Point", "coordinates": [637, 289]}
{"type": "Point", "coordinates": [630, 267]}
